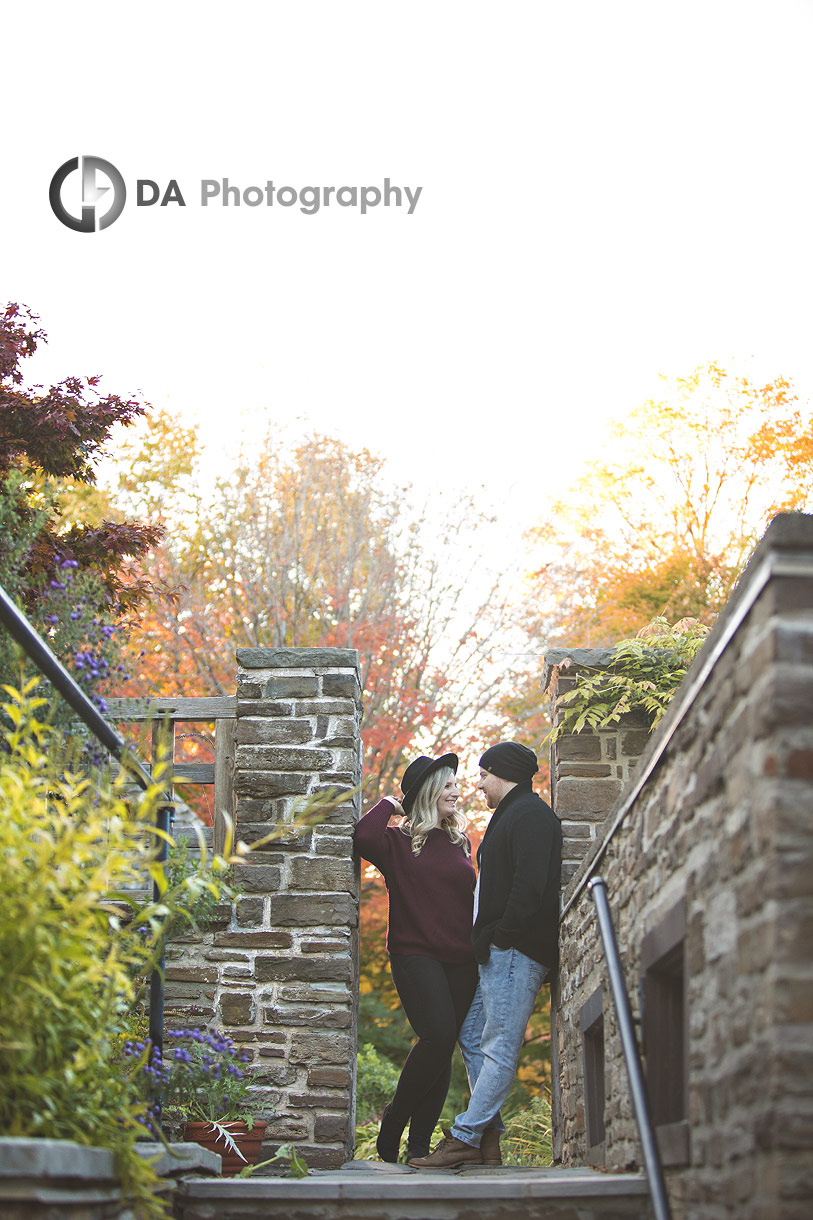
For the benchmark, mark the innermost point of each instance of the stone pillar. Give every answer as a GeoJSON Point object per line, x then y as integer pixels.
{"type": "Point", "coordinates": [588, 770]}
{"type": "Point", "coordinates": [588, 773]}
{"type": "Point", "coordinates": [288, 962]}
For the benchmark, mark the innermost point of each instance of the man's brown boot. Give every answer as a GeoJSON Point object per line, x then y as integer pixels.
{"type": "Point", "coordinates": [449, 1154]}
{"type": "Point", "coordinates": [490, 1147]}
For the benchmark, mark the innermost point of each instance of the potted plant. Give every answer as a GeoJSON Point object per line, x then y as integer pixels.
{"type": "Point", "coordinates": [203, 1084]}
{"type": "Point", "coordinates": [206, 1084]}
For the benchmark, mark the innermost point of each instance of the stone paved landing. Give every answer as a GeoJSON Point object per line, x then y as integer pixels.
{"type": "Point", "coordinates": [371, 1190]}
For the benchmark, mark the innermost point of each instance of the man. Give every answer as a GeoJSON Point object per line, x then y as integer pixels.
{"type": "Point", "coordinates": [515, 938]}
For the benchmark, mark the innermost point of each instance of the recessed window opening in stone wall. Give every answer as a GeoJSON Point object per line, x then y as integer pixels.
{"type": "Point", "coordinates": [591, 1024]}
{"type": "Point", "coordinates": [665, 1020]}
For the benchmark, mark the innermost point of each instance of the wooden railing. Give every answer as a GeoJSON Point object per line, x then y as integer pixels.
{"type": "Point", "coordinates": [164, 715]}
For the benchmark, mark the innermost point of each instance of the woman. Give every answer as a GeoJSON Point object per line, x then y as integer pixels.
{"type": "Point", "coordinates": [426, 863]}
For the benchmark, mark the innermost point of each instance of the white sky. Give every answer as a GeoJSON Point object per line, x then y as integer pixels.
{"type": "Point", "coordinates": [610, 191]}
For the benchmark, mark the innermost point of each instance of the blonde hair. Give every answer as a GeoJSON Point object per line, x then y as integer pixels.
{"type": "Point", "coordinates": [423, 816]}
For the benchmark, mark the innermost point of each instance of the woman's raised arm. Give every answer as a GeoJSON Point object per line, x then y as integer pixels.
{"type": "Point", "coordinates": [369, 837]}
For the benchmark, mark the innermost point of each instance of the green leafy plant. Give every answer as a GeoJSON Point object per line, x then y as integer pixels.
{"type": "Point", "coordinates": [77, 941]}
{"type": "Point", "coordinates": [297, 1165]}
{"type": "Point", "coordinates": [366, 1136]}
{"type": "Point", "coordinates": [376, 1080]}
{"type": "Point", "coordinates": [528, 1135]}
{"type": "Point", "coordinates": [644, 674]}
{"type": "Point", "coordinates": [202, 891]}
{"type": "Point", "coordinates": [70, 961]}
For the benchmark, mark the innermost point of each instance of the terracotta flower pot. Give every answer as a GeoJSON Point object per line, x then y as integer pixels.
{"type": "Point", "coordinates": [248, 1141]}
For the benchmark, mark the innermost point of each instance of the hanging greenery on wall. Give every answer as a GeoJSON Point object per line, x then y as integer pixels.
{"type": "Point", "coordinates": [643, 676]}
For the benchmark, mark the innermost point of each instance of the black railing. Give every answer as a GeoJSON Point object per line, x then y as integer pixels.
{"type": "Point", "coordinates": [632, 1058]}
{"type": "Point", "coordinates": [52, 668]}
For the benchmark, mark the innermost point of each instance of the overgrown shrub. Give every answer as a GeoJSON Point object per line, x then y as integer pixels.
{"type": "Point", "coordinates": [376, 1079]}
{"type": "Point", "coordinates": [77, 943]}
{"type": "Point", "coordinates": [72, 853]}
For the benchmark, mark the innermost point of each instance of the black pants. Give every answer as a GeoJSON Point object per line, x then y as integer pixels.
{"type": "Point", "coordinates": [436, 997]}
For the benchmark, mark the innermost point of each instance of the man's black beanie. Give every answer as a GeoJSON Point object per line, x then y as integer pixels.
{"type": "Point", "coordinates": [509, 760]}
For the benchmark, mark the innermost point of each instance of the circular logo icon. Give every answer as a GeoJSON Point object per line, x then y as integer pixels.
{"type": "Point", "coordinates": [92, 192]}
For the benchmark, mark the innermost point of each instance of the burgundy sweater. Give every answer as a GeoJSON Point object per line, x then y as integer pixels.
{"type": "Point", "coordinates": [431, 895]}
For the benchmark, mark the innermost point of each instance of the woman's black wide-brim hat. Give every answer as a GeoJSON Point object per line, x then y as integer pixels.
{"type": "Point", "coordinates": [419, 771]}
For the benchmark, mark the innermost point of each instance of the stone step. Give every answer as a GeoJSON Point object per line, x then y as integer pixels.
{"type": "Point", "coordinates": [373, 1191]}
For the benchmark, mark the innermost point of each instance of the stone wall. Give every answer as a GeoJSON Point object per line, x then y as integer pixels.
{"type": "Point", "coordinates": [278, 971]}
{"type": "Point", "coordinates": [708, 859]}
{"type": "Point", "coordinates": [49, 1179]}
{"type": "Point", "coordinates": [588, 771]}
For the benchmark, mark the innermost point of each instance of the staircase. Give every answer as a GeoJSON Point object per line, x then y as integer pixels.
{"type": "Point", "coordinates": [370, 1190]}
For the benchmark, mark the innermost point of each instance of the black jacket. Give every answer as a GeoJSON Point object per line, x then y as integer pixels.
{"type": "Point", "coordinates": [520, 861]}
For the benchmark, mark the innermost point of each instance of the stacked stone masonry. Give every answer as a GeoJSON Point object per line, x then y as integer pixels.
{"type": "Point", "coordinates": [718, 842]}
{"type": "Point", "coordinates": [278, 971]}
{"type": "Point", "coordinates": [589, 771]}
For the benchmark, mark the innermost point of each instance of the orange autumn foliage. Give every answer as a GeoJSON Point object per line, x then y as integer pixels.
{"type": "Point", "coordinates": [307, 545]}
{"type": "Point", "coordinates": [664, 523]}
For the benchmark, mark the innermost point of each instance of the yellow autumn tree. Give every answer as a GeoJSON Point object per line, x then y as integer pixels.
{"type": "Point", "coordinates": [665, 522]}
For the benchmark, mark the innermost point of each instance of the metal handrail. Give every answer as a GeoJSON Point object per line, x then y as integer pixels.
{"type": "Point", "coordinates": [52, 668]}
{"type": "Point", "coordinates": [632, 1058]}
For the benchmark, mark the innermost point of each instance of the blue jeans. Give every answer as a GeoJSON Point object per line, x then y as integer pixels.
{"type": "Point", "coordinates": [491, 1037]}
